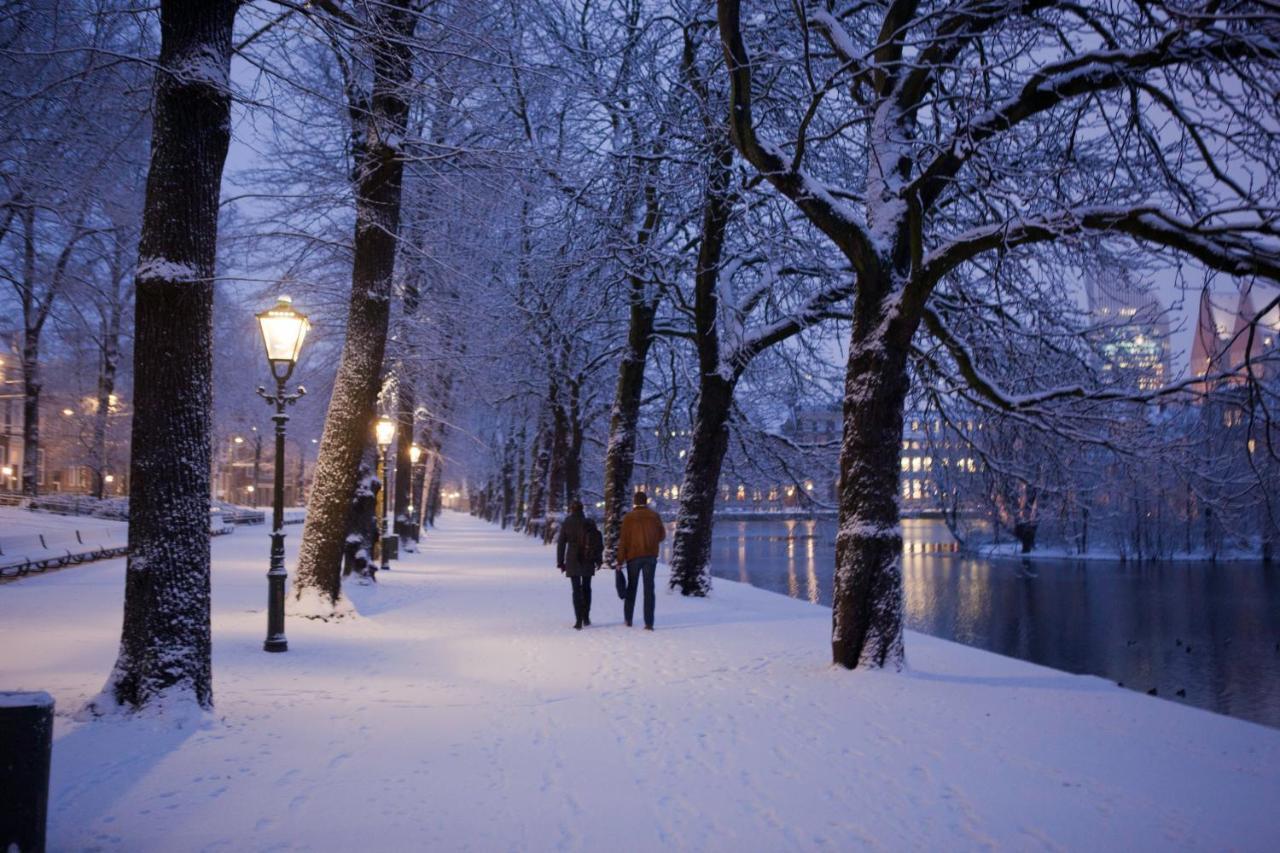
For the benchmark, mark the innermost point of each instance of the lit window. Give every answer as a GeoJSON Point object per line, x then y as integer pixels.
{"type": "Point", "coordinates": [916, 491]}
{"type": "Point", "coordinates": [906, 464]}
{"type": "Point", "coordinates": [915, 463]}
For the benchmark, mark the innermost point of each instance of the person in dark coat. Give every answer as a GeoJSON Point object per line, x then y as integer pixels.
{"type": "Point", "coordinates": [579, 550]}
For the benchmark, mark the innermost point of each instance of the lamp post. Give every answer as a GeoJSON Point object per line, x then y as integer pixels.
{"type": "Point", "coordinates": [386, 434]}
{"type": "Point", "coordinates": [283, 330]}
{"type": "Point", "coordinates": [415, 486]}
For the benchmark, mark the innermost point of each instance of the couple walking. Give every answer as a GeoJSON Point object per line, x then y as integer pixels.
{"type": "Point", "coordinates": [580, 551]}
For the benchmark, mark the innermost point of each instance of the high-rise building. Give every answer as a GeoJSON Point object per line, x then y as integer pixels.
{"type": "Point", "coordinates": [1130, 330]}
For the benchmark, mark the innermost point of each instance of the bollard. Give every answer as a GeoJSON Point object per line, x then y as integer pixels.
{"type": "Point", "coordinates": [26, 739]}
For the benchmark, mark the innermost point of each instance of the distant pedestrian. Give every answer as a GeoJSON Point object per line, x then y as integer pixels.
{"type": "Point", "coordinates": [579, 552]}
{"type": "Point", "coordinates": [642, 533]}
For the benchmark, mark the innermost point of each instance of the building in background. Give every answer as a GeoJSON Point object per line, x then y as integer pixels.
{"type": "Point", "coordinates": [1130, 329]}
{"type": "Point", "coordinates": [1235, 327]}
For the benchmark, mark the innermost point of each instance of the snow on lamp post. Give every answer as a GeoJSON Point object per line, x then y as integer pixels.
{"type": "Point", "coordinates": [386, 434]}
{"type": "Point", "coordinates": [283, 330]}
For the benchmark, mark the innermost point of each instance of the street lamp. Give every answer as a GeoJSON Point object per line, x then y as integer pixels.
{"type": "Point", "coordinates": [283, 330]}
{"type": "Point", "coordinates": [415, 488]}
{"type": "Point", "coordinates": [385, 430]}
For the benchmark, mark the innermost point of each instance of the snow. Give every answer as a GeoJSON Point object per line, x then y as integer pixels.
{"type": "Point", "coordinates": [858, 529]}
{"type": "Point", "coordinates": [840, 39]}
{"type": "Point", "coordinates": [460, 711]}
{"type": "Point", "coordinates": [28, 699]}
{"type": "Point", "coordinates": [160, 269]}
{"type": "Point", "coordinates": [15, 521]}
{"type": "Point", "coordinates": [204, 66]}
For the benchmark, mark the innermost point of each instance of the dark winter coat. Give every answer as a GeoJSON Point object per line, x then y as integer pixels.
{"type": "Point", "coordinates": [579, 546]}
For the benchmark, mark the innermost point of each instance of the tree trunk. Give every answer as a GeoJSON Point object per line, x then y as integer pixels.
{"type": "Point", "coordinates": [520, 475]}
{"type": "Point", "coordinates": [257, 467]}
{"type": "Point", "coordinates": [867, 607]}
{"type": "Point", "coordinates": [31, 387]}
{"type": "Point", "coordinates": [433, 502]}
{"type": "Point", "coordinates": [108, 364]}
{"type": "Point", "coordinates": [362, 522]}
{"type": "Point", "coordinates": [165, 641]}
{"type": "Point", "coordinates": [620, 453]}
{"type": "Point", "coordinates": [692, 546]}
{"type": "Point", "coordinates": [573, 452]}
{"type": "Point", "coordinates": [508, 483]}
{"type": "Point", "coordinates": [378, 179]}
{"type": "Point", "coordinates": [403, 461]}
{"type": "Point", "coordinates": [538, 466]}
{"type": "Point", "coordinates": [556, 470]}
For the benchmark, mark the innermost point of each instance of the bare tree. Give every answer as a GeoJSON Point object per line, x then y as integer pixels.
{"type": "Point", "coordinates": [165, 648]}
{"type": "Point", "coordinates": [921, 137]}
{"type": "Point", "coordinates": [378, 119]}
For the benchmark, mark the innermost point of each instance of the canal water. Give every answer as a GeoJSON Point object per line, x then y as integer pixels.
{"type": "Point", "coordinates": [1211, 631]}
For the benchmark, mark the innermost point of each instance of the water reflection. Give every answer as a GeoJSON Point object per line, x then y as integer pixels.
{"type": "Point", "coordinates": [1210, 631]}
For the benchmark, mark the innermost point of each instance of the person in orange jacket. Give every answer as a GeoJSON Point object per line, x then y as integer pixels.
{"type": "Point", "coordinates": [642, 534]}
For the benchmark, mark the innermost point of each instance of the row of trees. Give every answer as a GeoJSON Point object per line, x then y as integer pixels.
{"type": "Point", "coordinates": [950, 169]}
{"type": "Point", "coordinates": [546, 230]}
{"type": "Point", "coordinates": [70, 208]}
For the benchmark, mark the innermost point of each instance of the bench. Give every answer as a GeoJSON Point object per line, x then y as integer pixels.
{"type": "Point", "coordinates": [38, 552]}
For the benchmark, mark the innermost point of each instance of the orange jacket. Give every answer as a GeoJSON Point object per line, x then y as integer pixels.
{"type": "Point", "coordinates": [642, 531]}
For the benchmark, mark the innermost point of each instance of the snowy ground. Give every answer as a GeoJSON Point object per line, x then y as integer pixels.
{"type": "Point", "coordinates": [15, 521]}
{"type": "Point", "coordinates": [461, 712]}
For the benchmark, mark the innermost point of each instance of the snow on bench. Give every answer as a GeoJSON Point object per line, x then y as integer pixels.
{"type": "Point", "coordinates": [25, 554]}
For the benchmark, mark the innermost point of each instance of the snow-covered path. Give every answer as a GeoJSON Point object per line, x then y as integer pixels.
{"type": "Point", "coordinates": [461, 712]}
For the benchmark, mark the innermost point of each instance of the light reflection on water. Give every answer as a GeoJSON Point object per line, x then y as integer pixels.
{"type": "Point", "coordinates": [1212, 631]}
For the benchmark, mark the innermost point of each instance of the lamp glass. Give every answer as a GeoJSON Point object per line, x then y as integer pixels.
{"type": "Point", "coordinates": [386, 431]}
{"type": "Point", "coordinates": [283, 330]}
{"type": "Point", "coordinates": [415, 453]}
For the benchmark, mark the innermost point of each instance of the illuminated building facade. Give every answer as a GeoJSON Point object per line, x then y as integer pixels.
{"type": "Point", "coordinates": [1130, 332]}
{"type": "Point", "coordinates": [1233, 328]}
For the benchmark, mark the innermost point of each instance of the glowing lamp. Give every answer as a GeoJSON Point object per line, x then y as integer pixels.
{"type": "Point", "coordinates": [385, 432]}
{"type": "Point", "coordinates": [283, 330]}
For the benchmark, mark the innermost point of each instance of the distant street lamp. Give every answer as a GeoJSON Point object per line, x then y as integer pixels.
{"type": "Point", "coordinates": [283, 330]}
{"type": "Point", "coordinates": [415, 474]}
{"type": "Point", "coordinates": [386, 434]}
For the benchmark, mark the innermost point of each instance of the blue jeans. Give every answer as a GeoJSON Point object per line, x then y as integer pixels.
{"type": "Point", "coordinates": [635, 568]}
